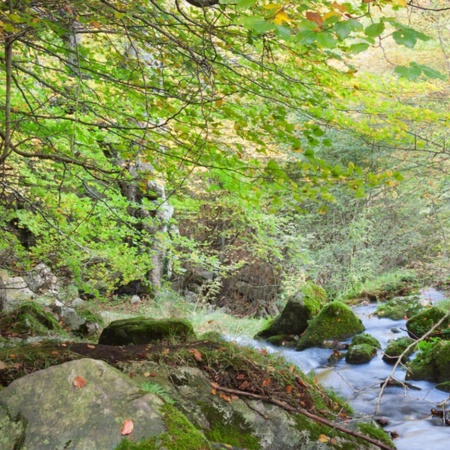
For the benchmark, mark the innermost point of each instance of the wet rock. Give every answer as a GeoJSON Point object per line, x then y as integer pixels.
{"type": "Point", "coordinates": [395, 348]}
{"type": "Point", "coordinates": [336, 321]}
{"type": "Point", "coordinates": [360, 354]}
{"type": "Point", "coordinates": [400, 307]}
{"type": "Point", "coordinates": [366, 339]}
{"type": "Point", "coordinates": [299, 310]}
{"type": "Point", "coordinates": [422, 323]}
{"type": "Point", "coordinates": [141, 330]}
{"type": "Point", "coordinates": [432, 364]}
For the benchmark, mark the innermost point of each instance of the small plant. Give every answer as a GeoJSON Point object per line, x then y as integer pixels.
{"type": "Point", "coordinates": [154, 388]}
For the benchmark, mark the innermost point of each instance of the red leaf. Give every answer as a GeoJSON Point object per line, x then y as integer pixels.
{"type": "Point", "coordinates": [127, 427]}
{"type": "Point", "coordinates": [314, 17]}
{"type": "Point", "coordinates": [79, 382]}
{"type": "Point", "coordinates": [288, 388]}
{"type": "Point", "coordinates": [266, 382]}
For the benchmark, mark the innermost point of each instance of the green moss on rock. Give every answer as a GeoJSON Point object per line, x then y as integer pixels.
{"type": "Point", "coordinates": [366, 339]}
{"type": "Point", "coordinates": [376, 432]}
{"type": "Point", "coordinates": [395, 348]}
{"type": "Point", "coordinates": [299, 309]}
{"type": "Point", "coordinates": [141, 330]}
{"type": "Point", "coordinates": [336, 321]}
{"type": "Point", "coordinates": [282, 340]}
{"type": "Point", "coordinates": [399, 307]}
{"type": "Point", "coordinates": [360, 353]}
{"type": "Point", "coordinates": [423, 322]}
{"type": "Point", "coordinates": [433, 364]}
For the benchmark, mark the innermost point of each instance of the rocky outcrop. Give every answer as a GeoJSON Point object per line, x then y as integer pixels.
{"type": "Point", "coordinates": [80, 405]}
{"type": "Point", "coordinates": [432, 364]}
{"type": "Point", "coordinates": [335, 322]}
{"type": "Point", "coordinates": [297, 313]}
{"type": "Point", "coordinates": [396, 348]}
{"type": "Point", "coordinates": [141, 330]}
{"type": "Point", "coordinates": [422, 323]}
{"type": "Point", "coordinates": [362, 349]}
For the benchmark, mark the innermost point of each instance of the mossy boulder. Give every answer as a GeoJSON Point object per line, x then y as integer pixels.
{"type": "Point", "coordinates": [400, 307]}
{"type": "Point", "coordinates": [142, 330]}
{"type": "Point", "coordinates": [366, 339]}
{"type": "Point", "coordinates": [284, 340]}
{"type": "Point", "coordinates": [360, 353]}
{"type": "Point", "coordinates": [299, 310]}
{"type": "Point", "coordinates": [395, 348]}
{"type": "Point", "coordinates": [433, 364]}
{"type": "Point", "coordinates": [362, 349]}
{"type": "Point", "coordinates": [423, 322]}
{"type": "Point", "coordinates": [336, 321]}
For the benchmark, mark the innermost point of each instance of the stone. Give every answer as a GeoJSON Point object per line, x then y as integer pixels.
{"type": "Point", "coordinates": [297, 313]}
{"type": "Point", "coordinates": [423, 322]}
{"type": "Point", "coordinates": [360, 353]}
{"type": "Point", "coordinates": [50, 412]}
{"type": "Point", "coordinates": [395, 348]}
{"type": "Point", "coordinates": [17, 292]}
{"type": "Point", "coordinates": [71, 318]}
{"type": "Point", "coordinates": [77, 302]}
{"type": "Point", "coordinates": [335, 322]}
{"type": "Point", "coordinates": [41, 279]}
{"type": "Point", "coordinates": [401, 307]}
{"type": "Point", "coordinates": [433, 364]}
{"type": "Point", "coordinates": [366, 339]}
{"type": "Point", "coordinates": [135, 300]}
{"type": "Point", "coordinates": [142, 330]}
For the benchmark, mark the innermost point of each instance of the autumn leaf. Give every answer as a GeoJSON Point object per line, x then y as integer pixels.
{"type": "Point", "coordinates": [291, 368]}
{"type": "Point", "coordinates": [244, 385]}
{"type": "Point", "coordinates": [240, 376]}
{"type": "Point", "coordinates": [166, 351]}
{"type": "Point", "coordinates": [314, 17]}
{"type": "Point", "coordinates": [79, 382]}
{"type": "Point", "coordinates": [214, 384]}
{"type": "Point", "coordinates": [289, 388]}
{"type": "Point", "coordinates": [323, 438]}
{"type": "Point", "coordinates": [281, 17]}
{"type": "Point", "coordinates": [90, 346]}
{"type": "Point", "coordinates": [266, 382]}
{"type": "Point", "coordinates": [54, 352]}
{"type": "Point", "coordinates": [127, 427]}
{"type": "Point", "coordinates": [264, 352]}
{"type": "Point", "coordinates": [213, 391]}
{"type": "Point", "coordinates": [196, 353]}
{"type": "Point", "coordinates": [225, 397]}
{"type": "Point", "coordinates": [341, 8]}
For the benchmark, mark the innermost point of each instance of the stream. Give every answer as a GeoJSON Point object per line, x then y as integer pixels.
{"type": "Point", "coordinates": [408, 410]}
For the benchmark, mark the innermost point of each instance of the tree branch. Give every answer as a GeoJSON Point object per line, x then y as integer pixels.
{"type": "Point", "coordinates": [203, 3]}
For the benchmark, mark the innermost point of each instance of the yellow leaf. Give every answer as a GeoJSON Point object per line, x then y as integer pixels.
{"type": "Point", "coordinates": [323, 438]}
{"type": "Point", "coordinates": [331, 14]}
{"type": "Point", "coordinates": [281, 17]}
{"type": "Point", "coordinates": [399, 3]}
{"type": "Point", "coordinates": [273, 6]}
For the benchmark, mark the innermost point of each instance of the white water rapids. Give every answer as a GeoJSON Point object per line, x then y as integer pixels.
{"type": "Point", "coordinates": [408, 410]}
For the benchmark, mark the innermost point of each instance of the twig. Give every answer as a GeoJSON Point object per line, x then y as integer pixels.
{"type": "Point", "coordinates": [305, 413]}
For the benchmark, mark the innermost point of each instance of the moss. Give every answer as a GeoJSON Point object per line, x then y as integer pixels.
{"type": "Point", "coordinates": [444, 386]}
{"type": "Point", "coordinates": [90, 315]}
{"type": "Point", "coordinates": [336, 321]}
{"type": "Point", "coordinates": [234, 430]}
{"type": "Point", "coordinates": [141, 330]}
{"type": "Point", "coordinates": [399, 307]}
{"type": "Point", "coordinates": [366, 339]}
{"type": "Point", "coordinates": [395, 348]}
{"type": "Point", "coordinates": [421, 323]}
{"type": "Point", "coordinates": [375, 432]}
{"type": "Point", "coordinates": [433, 363]}
{"type": "Point", "coordinates": [282, 340]}
{"type": "Point", "coordinates": [180, 435]}
{"type": "Point", "coordinates": [360, 353]}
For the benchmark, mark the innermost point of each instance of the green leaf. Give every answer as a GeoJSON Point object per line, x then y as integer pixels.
{"type": "Point", "coordinates": [244, 4]}
{"type": "Point", "coordinates": [343, 29]}
{"type": "Point", "coordinates": [375, 30]}
{"type": "Point", "coordinates": [326, 39]}
{"type": "Point", "coordinates": [358, 48]}
{"type": "Point", "coordinates": [256, 23]}
{"type": "Point", "coordinates": [407, 37]}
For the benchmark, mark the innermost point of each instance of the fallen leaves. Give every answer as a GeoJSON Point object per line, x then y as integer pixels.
{"type": "Point", "coordinates": [79, 382]}
{"type": "Point", "coordinates": [127, 427]}
{"type": "Point", "coordinates": [196, 353]}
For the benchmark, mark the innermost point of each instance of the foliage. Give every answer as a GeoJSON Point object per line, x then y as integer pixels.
{"type": "Point", "coordinates": [154, 388]}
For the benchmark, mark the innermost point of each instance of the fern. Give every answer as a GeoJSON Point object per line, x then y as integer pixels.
{"type": "Point", "coordinates": [154, 388]}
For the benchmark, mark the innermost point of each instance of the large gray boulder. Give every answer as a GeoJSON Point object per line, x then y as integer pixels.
{"type": "Point", "coordinates": [51, 413]}
{"type": "Point", "coordinates": [142, 330]}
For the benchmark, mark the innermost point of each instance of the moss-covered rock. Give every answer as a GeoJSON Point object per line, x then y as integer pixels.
{"type": "Point", "coordinates": [360, 353]}
{"type": "Point", "coordinates": [336, 321]}
{"type": "Point", "coordinates": [432, 364]}
{"type": "Point", "coordinates": [141, 330]}
{"type": "Point", "coordinates": [423, 322]}
{"type": "Point", "coordinates": [299, 310]}
{"type": "Point", "coordinates": [395, 348]}
{"type": "Point", "coordinates": [400, 307]}
{"type": "Point", "coordinates": [366, 339]}
{"type": "Point", "coordinates": [444, 386]}
{"type": "Point", "coordinates": [282, 340]}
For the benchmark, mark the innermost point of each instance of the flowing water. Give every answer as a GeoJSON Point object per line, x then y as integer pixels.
{"type": "Point", "coordinates": [406, 408]}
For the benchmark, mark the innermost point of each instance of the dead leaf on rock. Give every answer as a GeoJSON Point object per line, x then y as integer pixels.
{"type": "Point", "coordinates": [79, 382]}
{"type": "Point", "coordinates": [225, 397]}
{"type": "Point", "coordinates": [127, 427]}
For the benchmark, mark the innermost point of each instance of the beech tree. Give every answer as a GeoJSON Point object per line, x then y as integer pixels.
{"type": "Point", "coordinates": [109, 108]}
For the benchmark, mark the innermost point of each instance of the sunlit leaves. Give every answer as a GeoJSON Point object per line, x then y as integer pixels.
{"type": "Point", "coordinates": [415, 71]}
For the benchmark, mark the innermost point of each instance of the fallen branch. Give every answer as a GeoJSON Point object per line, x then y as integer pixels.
{"type": "Point", "coordinates": [302, 411]}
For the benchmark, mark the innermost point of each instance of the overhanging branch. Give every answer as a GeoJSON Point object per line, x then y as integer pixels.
{"type": "Point", "coordinates": [203, 3]}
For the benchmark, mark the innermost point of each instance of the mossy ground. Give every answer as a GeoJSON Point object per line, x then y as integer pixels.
{"type": "Point", "coordinates": [400, 307]}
